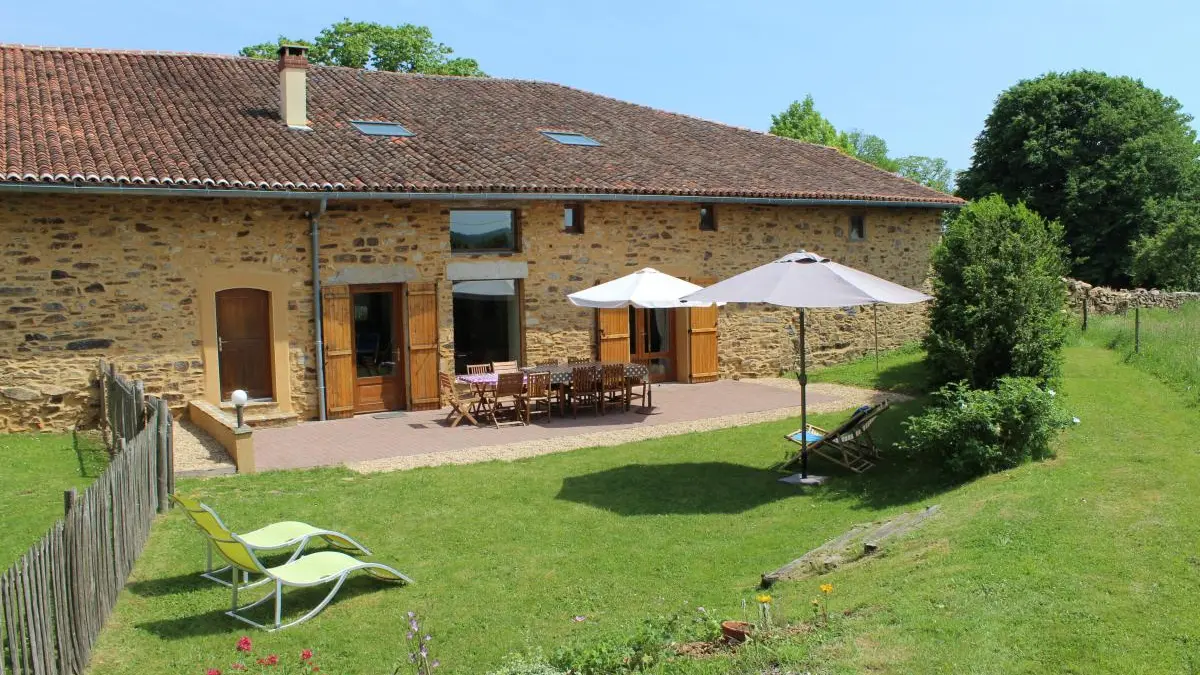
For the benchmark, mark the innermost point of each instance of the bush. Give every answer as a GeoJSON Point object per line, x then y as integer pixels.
{"type": "Point", "coordinates": [998, 297]}
{"type": "Point", "coordinates": [979, 431]}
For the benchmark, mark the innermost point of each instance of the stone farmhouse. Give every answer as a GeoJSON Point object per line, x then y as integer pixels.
{"type": "Point", "coordinates": [328, 239]}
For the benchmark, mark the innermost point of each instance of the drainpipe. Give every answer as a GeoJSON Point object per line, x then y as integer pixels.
{"type": "Point", "coordinates": [314, 220]}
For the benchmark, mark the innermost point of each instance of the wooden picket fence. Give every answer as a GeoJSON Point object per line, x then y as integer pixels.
{"type": "Point", "coordinates": [55, 599]}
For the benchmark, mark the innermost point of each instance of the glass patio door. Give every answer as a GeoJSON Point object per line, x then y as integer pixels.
{"type": "Point", "coordinates": [376, 348]}
{"type": "Point", "coordinates": [651, 341]}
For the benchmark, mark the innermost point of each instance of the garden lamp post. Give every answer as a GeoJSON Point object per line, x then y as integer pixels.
{"type": "Point", "coordinates": [239, 398]}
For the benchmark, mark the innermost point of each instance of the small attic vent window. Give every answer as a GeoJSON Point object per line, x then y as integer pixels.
{"type": "Point", "coordinates": [570, 138]}
{"type": "Point", "coordinates": [381, 128]}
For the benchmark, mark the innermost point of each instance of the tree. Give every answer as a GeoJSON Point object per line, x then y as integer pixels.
{"type": "Point", "coordinates": [802, 122]}
{"type": "Point", "coordinates": [1089, 150]}
{"type": "Point", "coordinates": [871, 149]}
{"type": "Point", "coordinates": [928, 171]}
{"type": "Point", "coordinates": [404, 48]}
{"type": "Point", "coordinates": [998, 296]}
{"type": "Point", "coordinates": [1170, 257]}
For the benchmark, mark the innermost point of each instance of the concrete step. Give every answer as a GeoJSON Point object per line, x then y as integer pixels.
{"type": "Point", "coordinates": [263, 415]}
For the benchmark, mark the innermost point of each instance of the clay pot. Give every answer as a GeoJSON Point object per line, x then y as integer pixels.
{"type": "Point", "coordinates": [736, 632]}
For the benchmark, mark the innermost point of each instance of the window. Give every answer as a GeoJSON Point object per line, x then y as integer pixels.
{"type": "Point", "coordinates": [570, 138]}
{"type": "Point", "coordinates": [482, 231]}
{"type": "Point", "coordinates": [381, 128]}
{"type": "Point", "coordinates": [708, 218]}
{"type": "Point", "coordinates": [573, 218]}
{"type": "Point", "coordinates": [858, 227]}
{"type": "Point", "coordinates": [487, 322]}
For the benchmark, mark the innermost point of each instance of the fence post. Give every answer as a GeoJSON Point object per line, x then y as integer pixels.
{"type": "Point", "coordinates": [1085, 310]}
{"type": "Point", "coordinates": [164, 454]}
{"type": "Point", "coordinates": [139, 406]}
{"type": "Point", "coordinates": [1137, 329]}
{"type": "Point", "coordinates": [114, 407]}
{"type": "Point", "coordinates": [69, 497]}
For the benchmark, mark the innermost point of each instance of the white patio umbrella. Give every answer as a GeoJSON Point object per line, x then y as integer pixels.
{"type": "Point", "coordinates": [804, 280]}
{"type": "Point", "coordinates": [647, 288]}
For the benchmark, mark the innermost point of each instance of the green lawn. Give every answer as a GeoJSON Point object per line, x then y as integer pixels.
{"type": "Point", "coordinates": [1086, 563]}
{"type": "Point", "coordinates": [37, 469]}
{"type": "Point", "coordinates": [900, 370]}
{"type": "Point", "coordinates": [1170, 343]}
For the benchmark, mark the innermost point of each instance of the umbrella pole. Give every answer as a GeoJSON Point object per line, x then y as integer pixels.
{"type": "Point", "coordinates": [803, 377]}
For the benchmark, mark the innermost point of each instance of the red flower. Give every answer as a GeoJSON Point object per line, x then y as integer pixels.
{"type": "Point", "coordinates": [316, 669]}
{"type": "Point", "coordinates": [243, 645]}
{"type": "Point", "coordinates": [213, 671]}
{"type": "Point", "coordinates": [306, 655]}
{"type": "Point", "coordinates": [272, 660]}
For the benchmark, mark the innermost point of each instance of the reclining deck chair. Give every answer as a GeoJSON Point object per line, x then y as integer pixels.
{"type": "Point", "coordinates": [314, 569]}
{"type": "Point", "coordinates": [273, 537]}
{"type": "Point", "coordinates": [849, 444]}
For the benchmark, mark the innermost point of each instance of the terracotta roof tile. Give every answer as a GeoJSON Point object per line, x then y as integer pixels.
{"type": "Point", "coordinates": [159, 118]}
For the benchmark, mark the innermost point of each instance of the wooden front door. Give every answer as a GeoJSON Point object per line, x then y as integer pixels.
{"type": "Point", "coordinates": [244, 342]}
{"type": "Point", "coordinates": [378, 347]}
{"type": "Point", "coordinates": [652, 342]}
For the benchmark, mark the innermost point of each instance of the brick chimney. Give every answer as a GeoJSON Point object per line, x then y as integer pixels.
{"type": "Point", "coordinates": [293, 85]}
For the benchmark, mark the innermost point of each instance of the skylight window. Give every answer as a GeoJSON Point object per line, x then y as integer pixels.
{"type": "Point", "coordinates": [381, 128]}
{"type": "Point", "coordinates": [570, 138]}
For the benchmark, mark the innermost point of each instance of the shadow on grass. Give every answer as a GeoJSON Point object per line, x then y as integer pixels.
{"type": "Point", "coordinates": [691, 488]}
{"type": "Point", "coordinates": [908, 378]}
{"type": "Point", "coordinates": [296, 603]}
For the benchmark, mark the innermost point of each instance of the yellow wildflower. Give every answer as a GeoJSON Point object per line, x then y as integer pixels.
{"type": "Point", "coordinates": [816, 602]}
{"type": "Point", "coordinates": [826, 588]}
{"type": "Point", "coordinates": [764, 599]}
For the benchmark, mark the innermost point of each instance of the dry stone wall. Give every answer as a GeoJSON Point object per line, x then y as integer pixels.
{"type": "Point", "coordinates": [116, 276]}
{"type": "Point", "coordinates": [1104, 300]}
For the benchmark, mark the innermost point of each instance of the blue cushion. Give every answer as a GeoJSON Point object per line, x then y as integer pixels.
{"type": "Point", "coordinates": [813, 437]}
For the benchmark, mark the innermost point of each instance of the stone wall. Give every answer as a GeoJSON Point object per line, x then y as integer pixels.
{"type": "Point", "coordinates": [1104, 300]}
{"type": "Point", "coordinates": [116, 276]}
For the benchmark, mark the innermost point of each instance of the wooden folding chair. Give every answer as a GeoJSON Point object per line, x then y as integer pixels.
{"type": "Point", "coordinates": [505, 367]}
{"type": "Point", "coordinates": [613, 387]}
{"type": "Point", "coordinates": [585, 389]}
{"type": "Point", "coordinates": [509, 388]}
{"type": "Point", "coordinates": [849, 444]}
{"type": "Point", "coordinates": [460, 402]}
{"type": "Point", "coordinates": [478, 368]}
{"type": "Point", "coordinates": [571, 360]}
{"type": "Point", "coordinates": [537, 393]}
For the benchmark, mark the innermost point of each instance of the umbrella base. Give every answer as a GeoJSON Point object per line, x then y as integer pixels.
{"type": "Point", "coordinates": [799, 479]}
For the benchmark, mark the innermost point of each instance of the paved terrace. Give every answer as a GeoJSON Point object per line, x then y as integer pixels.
{"type": "Point", "coordinates": [393, 441]}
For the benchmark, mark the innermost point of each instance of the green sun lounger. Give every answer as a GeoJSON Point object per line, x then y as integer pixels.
{"type": "Point", "coordinates": [273, 537]}
{"type": "Point", "coordinates": [314, 569]}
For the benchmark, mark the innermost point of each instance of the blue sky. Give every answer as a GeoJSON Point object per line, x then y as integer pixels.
{"type": "Point", "coordinates": [923, 75]}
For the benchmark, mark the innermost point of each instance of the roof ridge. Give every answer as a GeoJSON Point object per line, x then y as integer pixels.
{"type": "Point", "coordinates": [115, 50]}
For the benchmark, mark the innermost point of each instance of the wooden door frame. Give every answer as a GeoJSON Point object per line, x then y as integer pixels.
{"type": "Point", "coordinates": [400, 342]}
{"type": "Point", "coordinates": [638, 333]}
{"type": "Point", "coordinates": [270, 340]}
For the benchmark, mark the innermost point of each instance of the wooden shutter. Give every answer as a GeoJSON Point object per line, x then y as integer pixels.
{"type": "Point", "coordinates": [702, 341]}
{"type": "Point", "coordinates": [421, 310]}
{"type": "Point", "coordinates": [336, 323]}
{"type": "Point", "coordinates": [612, 334]}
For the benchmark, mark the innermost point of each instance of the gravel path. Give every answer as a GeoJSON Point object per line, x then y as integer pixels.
{"type": "Point", "coordinates": [843, 398]}
{"type": "Point", "coordinates": [197, 453]}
